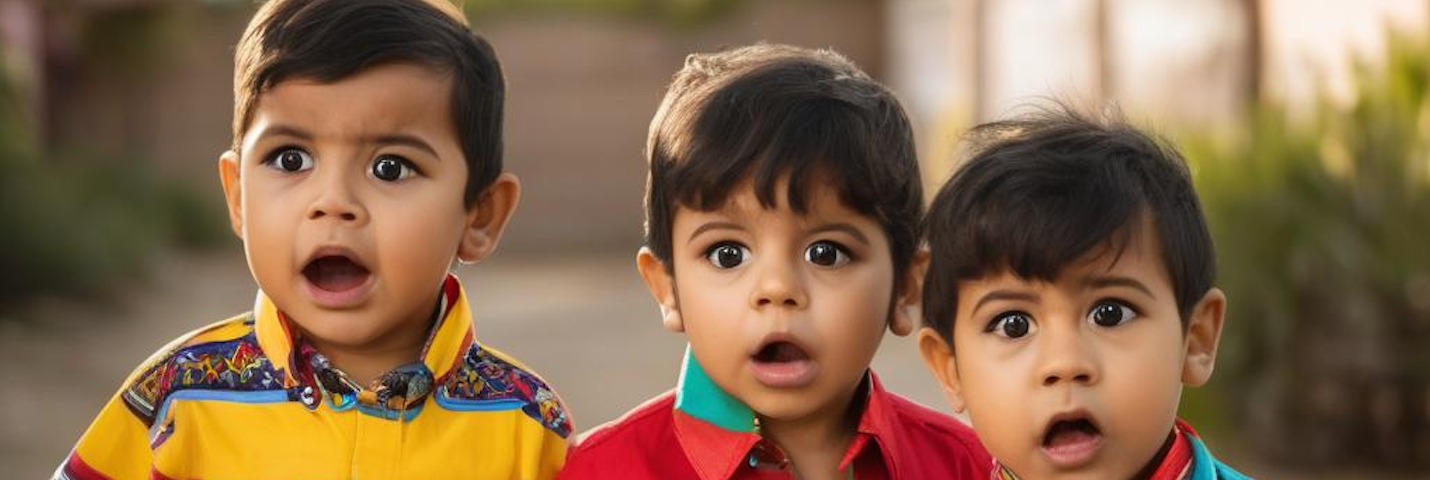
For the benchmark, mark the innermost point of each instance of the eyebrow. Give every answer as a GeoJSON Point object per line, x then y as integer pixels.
{"type": "Point", "coordinates": [1117, 281]}
{"type": "Point", "coordinates": [389, 139]}
{"type": "Point", "coordinates": [843, 227]}
{"type": "Point", "coordinates": [407, 141]}
{"type": "Point", "coordinates": [712, 226]}
{"type": "Point", "coordinates": [996, 295]}
{"type": "Point", "coordinates": [286, 131]}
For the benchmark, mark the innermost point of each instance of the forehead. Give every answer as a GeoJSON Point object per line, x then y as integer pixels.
{"type": "Point", "coordinates": [822, 204]}
{"type": "Point", "coordinates": [1134, 252]}
{"type": "Point", "coordinates": [397, 97]}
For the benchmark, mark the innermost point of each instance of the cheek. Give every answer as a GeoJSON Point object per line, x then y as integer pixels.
{"type": "Point", "coordinates": [851, 315]}
{"type": "Point", "coordinates": [1003, 428]}
{"type": "Point", "coordinates": [712, 309]}
{"type": "Point", "coordinates": [1144, 380]}
{"type": "Point", "coordinates": [273, 208]}
{"type": "Point", "coordinates": [718, 346]}
{"type": "Point", "coordinates": [996, 386]}
{"type": "Point", "coordinates": [269, 233]}
{"type": "Point", "coordinates": [421, 233]}
{"type": "Point", "coordinates": [991, 370]}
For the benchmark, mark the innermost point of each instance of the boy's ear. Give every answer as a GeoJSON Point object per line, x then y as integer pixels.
{"type": "Point", "coordinates": [938, 357]}
{"type": "Point", "coordinates": [1203, 336]}
{"type": "Point", "coordinates": [662, 286]}
{"type": "Point", "coordinates": [487, 219]}
{"type": "Point", "coordinates": [228, 169]}
{"type": "Point", "coordinates": [907, 304]}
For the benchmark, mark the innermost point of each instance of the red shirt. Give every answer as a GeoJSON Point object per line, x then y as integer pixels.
{"type": "Point", "coordinates": [897, 439]}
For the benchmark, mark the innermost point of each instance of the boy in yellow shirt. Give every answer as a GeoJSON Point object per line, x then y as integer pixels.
{"type": "Point", "coordinates": [366, 160]}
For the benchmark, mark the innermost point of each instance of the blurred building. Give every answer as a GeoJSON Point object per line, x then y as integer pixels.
{"type": "Point", "coordinates": [1188, 63]}
{"type": "Point", "coordinates": [152, 79]}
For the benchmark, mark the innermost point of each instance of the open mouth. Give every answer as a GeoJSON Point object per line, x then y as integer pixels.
{"type": "Point", "coordinates": [781, 363]}
{"type": "Point", "coordinates": [335, 273]}
{"type": "Point", "coordinates": [1067, 432]}
{"type": "Point", "coordinates": [1071, 440]}
{"type": "Point", "coordinates": [780, 352]}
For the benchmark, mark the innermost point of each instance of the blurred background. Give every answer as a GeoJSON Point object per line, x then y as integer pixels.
{"type": "Point", "coordinates": [1307, 123]}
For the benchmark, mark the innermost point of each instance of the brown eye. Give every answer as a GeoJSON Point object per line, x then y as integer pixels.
{"type": "Point", "coordinates": [391, 168]}
{"type": "Point", "coordinates": [826, 254]}
{"type": "Point", "coordinates": [727, 255]}
{"type": "Point", "coordinates": [1011, 325]}
{"type": "Point", "coordinates": [291, 160]}
{"type": "Point", "coordinates": [1110, 314]}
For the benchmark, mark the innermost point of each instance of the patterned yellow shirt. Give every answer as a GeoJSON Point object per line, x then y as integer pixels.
{"type": "Point", "coordinates": [247, 399]}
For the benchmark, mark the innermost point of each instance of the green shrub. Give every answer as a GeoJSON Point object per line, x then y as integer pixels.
{"type": "Point", "coordinates": [75, 222]}
{"type": "Point", "coordinates": [1322, 224]}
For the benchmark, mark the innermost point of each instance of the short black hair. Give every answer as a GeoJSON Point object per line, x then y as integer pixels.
{"type": "Point", "coordinates": [328, 40]}
{"type": "Point", "coordinates": [1042, 191]}
{"type": "Point", "coordinates": [764, 111]}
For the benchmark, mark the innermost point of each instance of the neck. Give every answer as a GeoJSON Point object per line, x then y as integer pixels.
{"type": "Point", "coordinates": [816, 443]}
{"type": "Point", "coordinates": [365, 364]}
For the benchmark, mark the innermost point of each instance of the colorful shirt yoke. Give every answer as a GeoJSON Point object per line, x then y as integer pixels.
{"type": "Point", "coordinates": [248, 398]}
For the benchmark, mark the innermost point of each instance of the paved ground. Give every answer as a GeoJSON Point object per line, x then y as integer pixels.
{"type": "Point", "coordinates": [587, 324]}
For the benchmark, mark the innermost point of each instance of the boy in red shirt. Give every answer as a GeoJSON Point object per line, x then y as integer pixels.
{"type": "Point", "coordinates": [1070, 298]}
{"type": "Point", "coordinates": [783, 209]}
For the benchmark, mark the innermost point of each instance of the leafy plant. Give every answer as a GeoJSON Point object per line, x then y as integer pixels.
{"type": "Point", "coordinates": [75, 221]}
{"type": "Point", "coordinates": [1322, 222]}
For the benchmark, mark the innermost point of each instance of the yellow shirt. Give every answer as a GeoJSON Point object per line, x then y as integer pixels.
{"type": "Point", "coordinates": [245, 399]}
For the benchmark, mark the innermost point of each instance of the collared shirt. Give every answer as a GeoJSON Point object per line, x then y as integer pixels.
{"type": "Point", "coordinates": [699, 432]}
{"type": "Point", "coordinates": [246, 398]}
{"type": "Point", "coordinates": [1187, 458]}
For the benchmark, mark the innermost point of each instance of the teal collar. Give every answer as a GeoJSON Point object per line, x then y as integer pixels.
{"type": "Point", "coordinates": [1206, 467]}
{"type": "Point", "coordinates": [698, 396]}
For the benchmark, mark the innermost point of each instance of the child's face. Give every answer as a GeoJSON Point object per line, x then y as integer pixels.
{"type": "Point", "coordinates": [1079, 378]}
{"type": "Point", "coordinates": [349, 199]}
{"type": "Point", "coordinates": [784, 311]}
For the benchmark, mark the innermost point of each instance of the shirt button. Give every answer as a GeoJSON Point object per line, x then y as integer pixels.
{"type": "Point", "coordinates": [307, 397]}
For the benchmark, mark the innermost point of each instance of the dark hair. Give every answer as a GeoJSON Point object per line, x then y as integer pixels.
{"type": "Point", "coordinates": [1042, 191]}
{"type": "Point", "coordinates": [328, 40]}
{"type": "Point", "coordinates": [764, 111]}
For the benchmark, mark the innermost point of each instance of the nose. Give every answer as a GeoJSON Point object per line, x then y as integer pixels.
{"type": "Point", "coordinates": [336, 200]}
{"type": "Point", "coordinates": [778, 285]}
{"type": "Point", "coordinates": [1066, 357]}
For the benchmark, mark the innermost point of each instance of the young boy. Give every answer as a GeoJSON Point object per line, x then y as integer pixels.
{"type": "Point", "coordinates": [1069, 298]}
{"type": "Point", "coordinates": [782, 235]}
{"type": "Point", "coordinates": [366, 159]}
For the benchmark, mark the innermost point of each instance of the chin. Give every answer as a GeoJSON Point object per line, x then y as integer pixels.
{"type": "Point", "coordinates": [1094, 471]}
{"type": "Point", "coordinates": [782, 411]}
{"type": "Point", "coordinates": [785, 406]}
{"type": "Point", "coordinates": [340, 333]}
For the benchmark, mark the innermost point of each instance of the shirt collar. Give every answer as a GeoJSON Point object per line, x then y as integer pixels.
{"type": "Point", "coordinates": [1176, 464]}
{"type": "Point", "coordinates": [877, 425]}
{"type": "Point", "coordinates": [719, 435]}
{"type": "Point", "coordinates": [697, 395]}
{"type": "Point", "coordinates": [451, 336]}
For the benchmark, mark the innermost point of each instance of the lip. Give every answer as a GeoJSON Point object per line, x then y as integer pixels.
{"type": "Point", "coordinates": [1075, 454]}
{"type": "Point", "coordinates": [338, 299]}
{"type": "Point", "coordinates": [791, 374]}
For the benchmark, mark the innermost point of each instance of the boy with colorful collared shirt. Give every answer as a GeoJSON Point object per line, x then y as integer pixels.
{"type": "Point", "coordinates": [366, 160]}
{"type": "Point", "coordinates": [1069, 299]}
{"type": "Point", "coordinates": [782, 238]}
